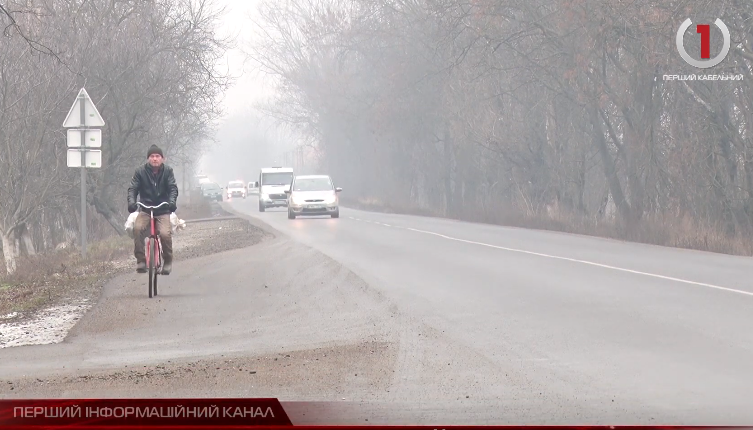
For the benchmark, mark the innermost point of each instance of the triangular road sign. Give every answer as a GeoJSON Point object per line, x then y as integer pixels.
{"type": "Point", "coordinates": [92, 118]}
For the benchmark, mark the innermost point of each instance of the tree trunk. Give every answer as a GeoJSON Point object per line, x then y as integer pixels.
{"type": "Point", "coordinates": [717, 187]}
{"type": "Point", "coordinates": [104, 210]}
{"type": "Point", "coordinates": [610, 169]}
{"type": "Point", "coordinates": [46, 230]}
{"type": "Point", "coordinates": [632, 144]}
{"type": "Point", "coordinates": [581, 183]}
{"type": "Point", "coordinates": [25, 236]}
{"type": "Point", "coordinates": [10, 251]}
{"type": "Point", "coordinates": [450, 209]}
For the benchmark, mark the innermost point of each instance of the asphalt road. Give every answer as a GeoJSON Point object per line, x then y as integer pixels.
{"type": "Point", "coordinates": [550, 327]}
{"type": "Point", "coordinates": [415, 320]}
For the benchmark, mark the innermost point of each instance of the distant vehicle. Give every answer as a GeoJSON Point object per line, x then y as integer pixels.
{"type": "Point", "coordinates": [273, 181]}
{"type": "Point", "coordinates": [201, 180]}
{"type": "Point", "coordinates": [251, 186]}
{"type": "Point", "coordinates": [236, 189]}
{"type": "Point", "coordinates": [211, 191]}
{"type": "Point", "coordinates": [312, 195]}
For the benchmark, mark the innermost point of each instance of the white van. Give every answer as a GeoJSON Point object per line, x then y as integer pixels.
{"type": "Point", "coordinates": [236, 189]}
{"type": "Point", "coordinates": [272, 184]}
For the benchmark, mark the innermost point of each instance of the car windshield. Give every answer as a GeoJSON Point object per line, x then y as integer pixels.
{"type": "Point", "coordinates": [312, 184]}
{"type": "Point", "coordinates": [235, 185]}
{"type": "Point", "coordinates": [277, 178]}
{"type": "Point", "coordinates": [210, 187]}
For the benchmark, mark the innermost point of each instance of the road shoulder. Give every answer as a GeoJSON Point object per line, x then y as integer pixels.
{"type": "Point", "coordinates": [44, 311]}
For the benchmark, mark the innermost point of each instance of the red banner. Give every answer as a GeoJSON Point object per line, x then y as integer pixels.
{"type": "Point", "coordinates": [142, 413]}
{"type": "Point", "coordinates": [222, 413]}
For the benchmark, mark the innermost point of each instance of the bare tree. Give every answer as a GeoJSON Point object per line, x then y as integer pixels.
{"type": "Point", "coordinates": [150, 67]}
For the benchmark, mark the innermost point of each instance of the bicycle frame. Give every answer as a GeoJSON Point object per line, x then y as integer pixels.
{"type": "Point", "coordinates": [147, 246]}
{"type": "Point", "coordinates": [153, 250]}
{"type": "Point", "coordinates": [153, 236]}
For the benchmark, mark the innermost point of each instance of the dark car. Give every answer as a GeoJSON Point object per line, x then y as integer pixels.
{"type": "Point", "coordinates": [211, 192]}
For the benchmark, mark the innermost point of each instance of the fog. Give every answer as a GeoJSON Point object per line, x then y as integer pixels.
{"type": "Point", "coordinates": [559, 114]}
{"type": "Point", "coordinates": [244, 144]}
{"type": "Point", "coordinates": [572, 115]}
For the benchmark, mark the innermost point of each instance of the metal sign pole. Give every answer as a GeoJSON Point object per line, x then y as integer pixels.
{"type": "Point", "coordinates": [83, 177]}
{"type": "Point", "coordinates": [78, 149]}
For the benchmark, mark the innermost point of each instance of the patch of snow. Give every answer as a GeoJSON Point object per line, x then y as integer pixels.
{"type": "Point", "coordinates": [9, 316]}
{"type": "Point", "coordinates": [48, 326]}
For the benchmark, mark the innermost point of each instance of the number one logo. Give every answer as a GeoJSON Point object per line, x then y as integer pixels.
{"type": "Point", "coordinates": [705, 31]}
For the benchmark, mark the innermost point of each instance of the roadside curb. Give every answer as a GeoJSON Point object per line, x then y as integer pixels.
{"type": "Point", "coordinates": [256, 222]}
{"type": "Point", "coordinates": [219, 218]}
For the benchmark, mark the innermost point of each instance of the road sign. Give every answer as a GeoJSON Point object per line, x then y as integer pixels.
{"type": "Point", "coordinates": [93, 158]}
{"type": "Point", "coordinates": [84, 114]}
{"type": "Point", "coordinates": [92, 138]}
{"type": "Point", "coordinates": [92, 118]}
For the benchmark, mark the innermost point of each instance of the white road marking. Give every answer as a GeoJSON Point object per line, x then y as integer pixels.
{"type": "Point", "coordinates": [575, 260]}
{"type": "Point", "coordinates": [591, 263]}
{"type": "Point", "coordinates": [606, 266]}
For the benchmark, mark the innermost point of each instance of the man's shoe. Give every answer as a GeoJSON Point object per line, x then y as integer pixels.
{"type": "Point", "coordinates": [167, 267]}
{"type": "Point", "coordinates": [141, 267]}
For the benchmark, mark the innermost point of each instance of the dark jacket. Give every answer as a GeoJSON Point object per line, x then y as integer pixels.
{"type": "Point", "coordinates": [153, 190]}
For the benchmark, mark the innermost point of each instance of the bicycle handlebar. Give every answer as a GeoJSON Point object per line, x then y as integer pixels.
{"type": "Point", "coordinates": [151, 207]}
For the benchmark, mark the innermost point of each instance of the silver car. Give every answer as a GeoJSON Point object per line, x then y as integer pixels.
{"type": "Point", "coordinates": [313, 195]}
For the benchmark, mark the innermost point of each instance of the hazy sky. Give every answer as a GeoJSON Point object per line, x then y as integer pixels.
{"type": "Point", "coordinates": [239, 154]}
{"type": "Point", "coordinates": [249, 87]}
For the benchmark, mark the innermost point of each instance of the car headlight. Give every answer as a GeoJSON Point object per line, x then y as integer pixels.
{"type": "Point", "coordinates": [297, 200]}
{"type": "Point", "coordinates": [265, 196]}
{"type": "Point", "coordinates": [330, 200]}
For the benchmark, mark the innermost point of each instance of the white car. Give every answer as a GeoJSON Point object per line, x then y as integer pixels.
{"type": "Point", "coordinates": [313, 195]}
{"type": "Point", "coordinates": [236, 189]}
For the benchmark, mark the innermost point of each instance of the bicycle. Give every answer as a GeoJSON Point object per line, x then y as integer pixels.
{"type": "Point", "coordinates": [153, 248]}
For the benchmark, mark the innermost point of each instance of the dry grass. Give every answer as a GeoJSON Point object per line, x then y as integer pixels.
{"type": "Point", "coordinates": [664, 230]}
{"type": "Point", "coordinates": [51, 277]}
{"type": "Point", "coordinates": [55, 276]}
{"type": "Point", "coordinates": [377, 205]}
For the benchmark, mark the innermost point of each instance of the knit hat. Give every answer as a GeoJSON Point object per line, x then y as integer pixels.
{"type": "Point", "coordinates": [154, 149]}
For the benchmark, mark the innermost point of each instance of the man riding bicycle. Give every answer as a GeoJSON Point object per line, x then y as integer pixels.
{"type": "Point", "coordinates": [153, 183]}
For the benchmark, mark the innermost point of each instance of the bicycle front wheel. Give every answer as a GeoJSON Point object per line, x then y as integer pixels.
{"type": "Point", "coordinates": [152, 270]}
{"type": "Point", "coordinates": [157, 263]}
